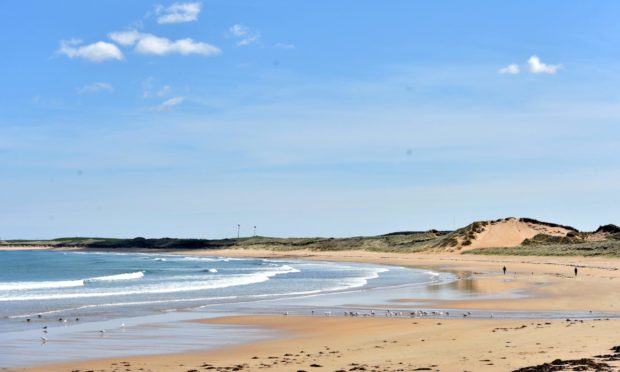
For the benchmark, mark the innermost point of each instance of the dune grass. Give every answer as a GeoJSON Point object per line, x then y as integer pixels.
{"type": "Point", "coordinates": [608, 248]}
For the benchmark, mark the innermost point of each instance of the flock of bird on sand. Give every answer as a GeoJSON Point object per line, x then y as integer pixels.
{"type": "Point", "coordinates": [370, 313]}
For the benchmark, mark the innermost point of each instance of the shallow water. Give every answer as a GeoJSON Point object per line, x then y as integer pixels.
{"type": "Point", "coordinates": [98, 286]}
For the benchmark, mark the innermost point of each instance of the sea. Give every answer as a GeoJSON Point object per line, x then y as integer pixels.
{"type": "Point", "coordinates": [98, 285]}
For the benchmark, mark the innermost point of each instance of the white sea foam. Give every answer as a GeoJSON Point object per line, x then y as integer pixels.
{"type": "Point", "coordinates": [19, 286]}
{"type": "Point", "coordinates": [206, 259]}
{"type": "Point", "coordinates": [184, 286]}
{"type": "Point", "coordinates": [359, 281]}
{"type": "Point", "coordinates": [125, 276]}
{"type": "Point", "coordinates": [23, 286]}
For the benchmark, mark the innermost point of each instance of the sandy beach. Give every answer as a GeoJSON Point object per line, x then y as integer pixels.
{"type": "Point", "coordinates": [336, 343]}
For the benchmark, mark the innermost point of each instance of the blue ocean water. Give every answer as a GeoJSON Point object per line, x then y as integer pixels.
{"type": "Point", "coordinates": [104, 285]}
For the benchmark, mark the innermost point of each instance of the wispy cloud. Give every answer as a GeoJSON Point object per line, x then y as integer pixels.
{"type": "Point", "coordinates": [156, 45]}
{"type": "Point", "coordinates": [150, 88]}
{"type": "Point", "coordinates": [284, 46]}
{"type": "Point", "coordinates": [538, 67]}
{"type": "Point", "coordinates": [512, 69]}
{"type": "Point", "coordinates": [125, 38]}
{"type": "Point", "coordinates": [167, 105]}
{"type": "Point", "coordinates": [95, 88]}
{"type": "Point", "coordinates": [178, 13]}
{"type": "Point", "coordinates": [244, 35]}
{"type": "Point", "coordinates": [95, 52]}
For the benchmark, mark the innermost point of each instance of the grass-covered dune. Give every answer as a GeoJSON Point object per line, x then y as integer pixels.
{"type": "Point", "coordinates": [509, 236]}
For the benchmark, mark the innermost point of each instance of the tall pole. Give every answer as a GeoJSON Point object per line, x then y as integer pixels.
{"type": "Point", "coordinates": [254, 230]}
{"type": "Point", "coordinates": [238, 228]}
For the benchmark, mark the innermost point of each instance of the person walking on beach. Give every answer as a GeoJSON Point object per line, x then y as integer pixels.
{"type": "Point", "coordinates": [504, 270]}
{"type": "Point", "coordinates": [575, 271]}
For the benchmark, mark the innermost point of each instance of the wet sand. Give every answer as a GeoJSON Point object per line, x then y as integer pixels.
{"type": "Point", "coordinates": [333, 343]}
{"type": "Point", "coordinates": [384, 344]}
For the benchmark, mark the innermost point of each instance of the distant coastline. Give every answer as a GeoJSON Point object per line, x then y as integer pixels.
{"type": "Point", "coordinates": [508, 236]}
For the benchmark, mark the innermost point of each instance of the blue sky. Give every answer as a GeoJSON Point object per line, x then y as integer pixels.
{"type": "Point", "coordinates": [305, 118]}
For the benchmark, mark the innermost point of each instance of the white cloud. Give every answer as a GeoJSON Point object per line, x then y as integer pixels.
{"type": "Point", "coordinates": [239, 30]}
{"type": "Point", "coordinates": [95, 52]}
{"type": "Point", "coordinates": [178, 13]}
{"type": "Point", "coordinates": [284, 46]}
{"type": "Point", "coordinates": [157, 45]}
{"type": "Point", "coordinates": [537, 67]}
{"type": "Point", "coordinates": [149, 88]}
{"type": "Point", "coordinates": [511, 69]}
{"type": "Point", "coordinates": [151, 44]}
{"type": "Point", "coordinates": [244, 34]}
{"type": "Point", "coordinates": [163, 91]}
{"type": "Point", "coordinates": [169, 104]}
{"type": "Point", "coordinates": [125, 38]}
{"type": "Point", "coordinates": [95, 87]}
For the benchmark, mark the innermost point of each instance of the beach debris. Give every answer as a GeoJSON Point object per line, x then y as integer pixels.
{"type": "Point", "coordinates": [583, 364]}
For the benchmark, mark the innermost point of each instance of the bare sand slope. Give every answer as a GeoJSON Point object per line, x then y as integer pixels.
{"type": "Point", "coordinates": [512, 232]}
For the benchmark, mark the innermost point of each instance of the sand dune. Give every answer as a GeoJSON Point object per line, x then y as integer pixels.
{"type": "Point", "coordinates": [512, 232]}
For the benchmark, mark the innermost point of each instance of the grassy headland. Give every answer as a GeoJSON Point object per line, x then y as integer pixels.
{"type": "Point", "coordinates": [509, 236]}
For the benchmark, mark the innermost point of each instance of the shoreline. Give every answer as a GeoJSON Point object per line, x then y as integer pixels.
{"type": "Point", "coordinates": [546, 278]}
{"type": "Point", "coordinates": [549, 280]}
